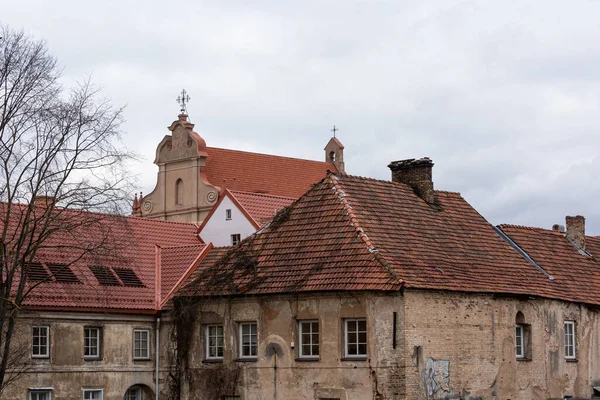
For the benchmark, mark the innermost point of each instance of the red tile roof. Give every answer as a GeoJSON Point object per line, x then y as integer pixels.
{"type": "Point", "coordinates": [261, 207]}
{"type": "Point", "coordinates": [352, 233]}
{"type": "Point", "coordinates": [127, 243]}
{"type": "Point", "coordinates": [576, 276]}
{"type": "Point", "coordinates": [263, 173]}
{"type": "Point", "coordinates": [174, 262]}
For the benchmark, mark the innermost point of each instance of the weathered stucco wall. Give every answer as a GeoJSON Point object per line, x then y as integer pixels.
{"type": "Point", "coordinates": [277, 374]}
{"type": "Point", "coordinates": [463, 345]}
{"type": "Point", "coordinates": [68, 372]}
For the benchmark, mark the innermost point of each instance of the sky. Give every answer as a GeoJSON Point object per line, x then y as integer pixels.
{"type": "Point", "coordinates": [504, 96]}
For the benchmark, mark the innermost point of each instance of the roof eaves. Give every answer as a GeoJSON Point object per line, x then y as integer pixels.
{"type": "Point", "coordinates": [515, 246]}
{"type": "Point", "coordinates": [343, 198]}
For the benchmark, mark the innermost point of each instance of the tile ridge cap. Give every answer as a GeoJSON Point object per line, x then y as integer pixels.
{"type": "Point", "coordinates": [342, 196]}
{"type": "Point", "coordinates": [270, 155]}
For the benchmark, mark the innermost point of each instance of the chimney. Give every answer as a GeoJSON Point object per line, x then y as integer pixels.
{"type": "Point", "coordinates": [417, 174]}
{"type": "Point", "coordinates": [558, 228]}
{"type": "Point", "coordinates": [43, 201]}
{"type": "Point", "coordinates": [576, 230]}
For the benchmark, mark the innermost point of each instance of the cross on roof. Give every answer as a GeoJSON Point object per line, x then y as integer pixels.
{"type": "Point", "coordinates": [183, 99]}
{"type": "Point", "coordinates": [334, 130]}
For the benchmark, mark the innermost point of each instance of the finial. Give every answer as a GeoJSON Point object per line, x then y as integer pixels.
{"type": "Point", "coordinates": [183, 99]}
{"type": "Point", "coordinates": [334, 130]}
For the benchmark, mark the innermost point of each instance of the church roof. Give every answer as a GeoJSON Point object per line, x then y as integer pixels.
{"type": "Point", "coordinates": [263, 173]}
{"type": "Point", "coordinates": [353, 233]}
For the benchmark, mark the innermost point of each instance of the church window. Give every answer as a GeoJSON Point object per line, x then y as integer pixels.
{"type": "Point", "coordinates": [179, 192]}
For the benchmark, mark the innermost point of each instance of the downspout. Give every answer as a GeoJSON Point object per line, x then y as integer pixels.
{"type": "Point", "coordinates": [156, 355]}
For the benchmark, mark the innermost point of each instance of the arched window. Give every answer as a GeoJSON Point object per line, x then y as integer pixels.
{"type": "Point", "coordinates": [179, 192]}
{"type": "Point", "coordinates": [332, 156]}
{"type": "Point", "coordinates": [522, 338]}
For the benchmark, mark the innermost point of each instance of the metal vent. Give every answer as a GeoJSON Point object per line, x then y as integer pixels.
{"type": "Point", "coordinates": [62, 273]}
{"type": "Point", "coordinates": [104, 275]}
{"type": "Point", "coordinates": [128, 277]}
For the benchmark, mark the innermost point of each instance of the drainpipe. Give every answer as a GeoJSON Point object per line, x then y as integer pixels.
{"type": "Point", "coordinates": [156, 355]}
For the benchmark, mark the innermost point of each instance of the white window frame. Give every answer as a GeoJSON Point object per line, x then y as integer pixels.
{"type": "Point", "coordinates": [570, 344]}
{"type": "Point", "coordinates": [346, 344]}
{"type": "Point", "coordinates": [301, 332]}
{"type": "Point", "coordinates": [141, 340]}
{"type": "Point", "coordinates": [98, 346]}
{"type": "Point", "coordinates": [45, 390]}
{"type": "Point", "coordinates": [228, 214]}
{"type": "Point", "coordinates": [84, 391]}
{"type": "Point", "coordinates": [255, 335]}
{"type": "Point", "coordinates": [235, 236]}
{"type": "Point", "coordinates": [519, 341]}
{"type": "Point", "coordinates": [47, 346]}
{"type": "Point", "coordinates": [208, 346]}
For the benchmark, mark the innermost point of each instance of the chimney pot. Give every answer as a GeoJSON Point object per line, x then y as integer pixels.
{"type": "Point", "coordinates": [43, 201]}
{"type": "Point", "coordinates": [558, 228]}
{"type": "Point", "coordinates": [576, 230]}
{"type": "Point", "coordinates": [417, 174]}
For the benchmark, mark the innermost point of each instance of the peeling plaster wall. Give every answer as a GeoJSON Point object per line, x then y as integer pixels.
{"type": "Point", "coordinates": [381, 376]}
{"type": "Point", "coordinates": [463, 346]}
{"type": "Point", "coordinates": [67, 371]}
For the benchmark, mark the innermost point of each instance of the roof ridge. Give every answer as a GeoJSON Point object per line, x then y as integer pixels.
{"type": "Point", "coordinates": [341, 194]}
{"type": "Point", "coordinates": [269, 155]}
{"type": "Point", "coordinates": [531, 228]}
{"type": "Point", "coordinates": [366, 178]}
{"type": "Point", "coordinates": [262, 194]}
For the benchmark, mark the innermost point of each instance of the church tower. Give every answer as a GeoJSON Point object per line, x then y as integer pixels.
{"type": "Point", "coordinates": [334, 154]}
{"type": "Point", "coordinates": [182, 192]}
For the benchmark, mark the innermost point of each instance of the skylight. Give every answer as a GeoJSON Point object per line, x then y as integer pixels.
{"type": "Point", "coordinates": [104, 275]}
{"type": "Point", "coordinates": [37, 272]}
{"type": "Point", "coordinates": [128, 277]}
{"type": "Point", "coordinates": [62, 273]}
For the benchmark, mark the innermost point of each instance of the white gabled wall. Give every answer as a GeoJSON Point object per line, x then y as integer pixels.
{"type": "Point", "coordinates": [218, 230]}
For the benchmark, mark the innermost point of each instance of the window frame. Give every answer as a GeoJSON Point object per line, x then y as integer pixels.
{"type": "Point", "coordinates": [207, 346]}
{"type": "Point", "coordinates": [301, 343]}
{"type": "Point", "coordinates": [573, 344]}
{"type": "Point", "coordinates": [520, 335]}
{"type": "Point", "coordinates": [33, 346]}
{"type": "Point", "coordinates": [47, 390]}
{"type": "Point", "coordinates": [241, 340]}
{"type": "Point", "coordinates": [136, 390]}
{"type": "Point", "coordinates": [228, 214]}
{"type": "Point", "coordinates": [346, 343]}
{"type": "Point", "coordinates": [84, 391]}
{"type": "Point", "coordinates": [147, 332]}
{"type": "Point", "coordinates": [98, 356]}
{"type": "Point", "coordinates": [237, 236]}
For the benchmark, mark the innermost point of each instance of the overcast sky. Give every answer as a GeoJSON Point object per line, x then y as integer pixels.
{"type": "Point", "coordinates": [504, 97]}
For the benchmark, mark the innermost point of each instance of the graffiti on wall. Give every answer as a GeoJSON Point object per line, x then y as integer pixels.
{"type": "Point", "coordinates": [436, 376]}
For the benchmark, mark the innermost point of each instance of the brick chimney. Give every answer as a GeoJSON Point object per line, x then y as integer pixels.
{"type": "Point", "coordinates": [417, 174]}
{"type": "Point", "coordinates": [576, 230]}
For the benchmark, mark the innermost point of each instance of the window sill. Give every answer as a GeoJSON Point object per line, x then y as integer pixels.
{"type": "Point", "coordinates": [523, 359]}
{"type": "Point", "coordinates": [92, 359]}
{"type": "Point", "coordinates": [212, 361]}
{"type": "Point", "coordinates": [142, 359]}
{"type": "Point", "coordinates": [571, 360]}
{"type": "Point", "coordinates": [246, 359]}
{"type": "Point", "coordinates": [41, 358]}
{"type": "Point", "coordinates": [356, 358]}
{"type": "Point", "coordinates": [308, 359]}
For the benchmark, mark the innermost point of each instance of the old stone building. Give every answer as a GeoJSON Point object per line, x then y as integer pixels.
{"type": "Point", "coordinates": [191, 175]}
{"type": "Point", "coordinates": [367, 289]}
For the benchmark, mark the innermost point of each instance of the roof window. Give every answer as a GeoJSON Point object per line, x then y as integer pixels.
{"type": "Point", "coordinates": [37, 273]}
{"type": "Point", "coordinates": [62, 273]}
{"type": "Point", "coordinates": [128, 277]}
{"type": "Point", "coordinates": [104, 275]}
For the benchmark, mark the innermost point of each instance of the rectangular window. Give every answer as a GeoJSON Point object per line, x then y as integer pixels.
{"type": "Point", "coordinates": [308, 333]}
{"type": "Point", "coordinates": [91, 343]}
{"type": "Point", "coordinates": [40, 342]}
{"type": "Point", "coordinates": [570, 340]}
{"type": "Point", "coordinates": [355, 338]}
{"type": "Point", "coordinates": [248, 340]}
{"type": "Point", "coordinates": [40, 394]}
{"type": "Point", "coordinates": [519, 342]}
{"type": "Point", "coordinates": [228, 214]}
{"type": "Point", "coordinates": [214, 342]}
{"type": "Point", "coordinates": [235, 239]}
{"type": "Point", "coordinates": [93, 394]}
{"type": "Point", "coordinates": [141, 344]}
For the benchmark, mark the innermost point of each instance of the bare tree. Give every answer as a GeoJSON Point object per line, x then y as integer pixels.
{"type": "Point", "coordinates": [60, 157]}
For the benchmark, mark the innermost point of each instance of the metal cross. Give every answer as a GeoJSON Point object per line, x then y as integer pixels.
{"type": "Point", "coordinates": [183, 99]}
{"type": "Point", "coordinates": [334, 130]}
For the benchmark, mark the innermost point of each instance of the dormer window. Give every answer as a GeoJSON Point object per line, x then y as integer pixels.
{"type": "Point", "coordinates": [228, 214]}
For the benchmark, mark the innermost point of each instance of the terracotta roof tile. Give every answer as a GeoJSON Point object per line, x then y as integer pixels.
{"type": "Point", "coordinates": [352, 233]}
{"type": "Point", "coordinates": [263, 173]}
{"type": "Point", "coordinates": [261, 207]}
{"type": "Point", "coordinates": [131, 244]}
